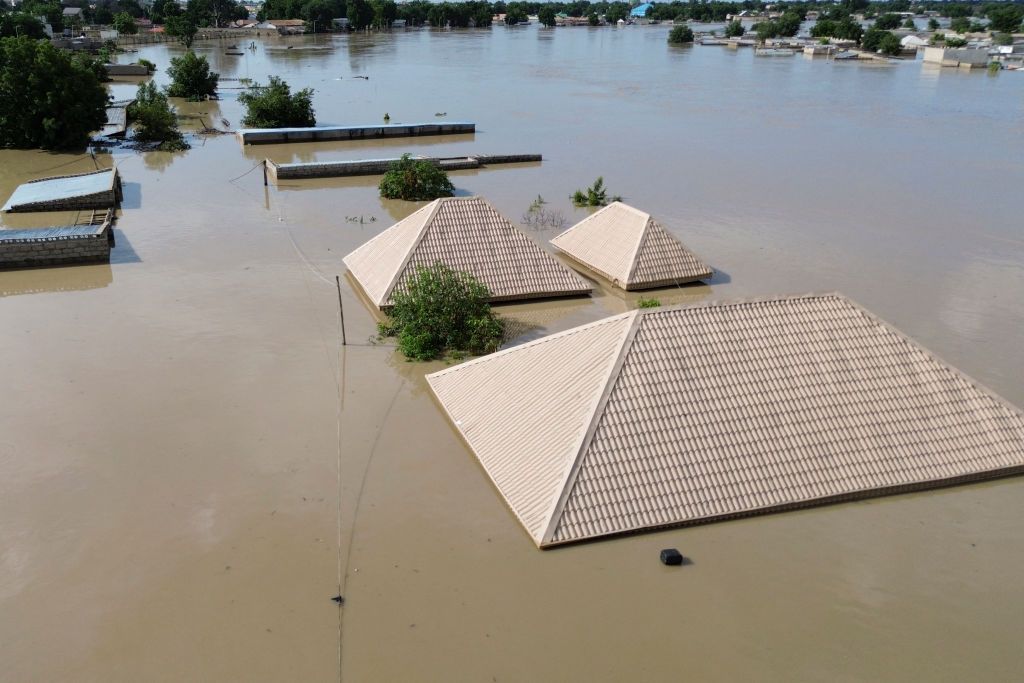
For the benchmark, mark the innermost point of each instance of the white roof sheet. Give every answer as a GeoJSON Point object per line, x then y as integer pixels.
{"type": "Point", "coordinates": [65, 187]}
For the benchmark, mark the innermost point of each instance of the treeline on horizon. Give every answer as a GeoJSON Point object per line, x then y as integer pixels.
{"type": "Point", "coordinates": [380, 14]}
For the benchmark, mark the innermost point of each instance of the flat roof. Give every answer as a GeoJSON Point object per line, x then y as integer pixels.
{"type": "Point", "coordinates": [48, 190]}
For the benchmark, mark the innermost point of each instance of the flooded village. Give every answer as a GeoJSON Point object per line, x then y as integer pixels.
{"type": "Point", "coordinates": [777, 344]}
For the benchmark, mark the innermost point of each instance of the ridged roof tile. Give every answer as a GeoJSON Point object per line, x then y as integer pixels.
{"type": "Point", "coordinates": [631, 249]}
{"type": "Point", "coordinates": [466, 234]}
{"type": "Point", "coordinates": [723, 410]}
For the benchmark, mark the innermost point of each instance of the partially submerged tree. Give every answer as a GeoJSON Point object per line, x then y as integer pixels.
{"type": "Point", "coordinates": [595, 195]}
{"type": "Point", "coordinates": [49, 98]}
{"type": "Point", "coordinates": [734, 29]}
{"type": "Point", "coordinates": [680, 35]}
{"type": "Point", "coordinates": [439, 311]}
{"type": "Point", "coordinates": [546, 15]}
{"type": "Point", "coordinates": [275, 106]}
{"type": "Point", "coordinates": [154, 119]}
{"type": "Point", "coordinates": [191, 78]}
{"type": "Point", "coordinates": [415, 180]}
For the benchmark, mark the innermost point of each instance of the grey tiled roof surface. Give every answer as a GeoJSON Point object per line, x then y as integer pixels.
{"type": "Point", "coordinates": [662, 259]}
{"type": "Point", "coordinates": [723, 410]}
{"type": "Point", "coordinates": [468, 234]}
{"type": "Point", "coordinates": [627, 246]}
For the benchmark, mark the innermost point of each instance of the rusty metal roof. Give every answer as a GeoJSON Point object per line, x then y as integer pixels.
{"type": "Point", "coordinates": [466, 234]}
{"type": "Point", "coordinates": [631, 249]}
{"type": "Point", "coordinates": [676, 416]}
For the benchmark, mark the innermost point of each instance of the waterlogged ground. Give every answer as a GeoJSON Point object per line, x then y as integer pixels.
{"type": "Point", "coordinates": [180, 434]}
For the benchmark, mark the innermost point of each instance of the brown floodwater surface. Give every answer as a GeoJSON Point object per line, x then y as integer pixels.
{"type": "Point", "coordinates": [191, 466]}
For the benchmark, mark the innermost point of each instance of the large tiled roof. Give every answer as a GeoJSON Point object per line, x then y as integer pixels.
{"type": "Point", "coordinates": [631, 249]}
{"type": "Point", "coordinates": [685, 415]}
{"type": "Point", "coordinates": [465, 234]}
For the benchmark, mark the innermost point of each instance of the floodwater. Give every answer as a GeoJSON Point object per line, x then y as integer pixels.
{"type": "Point", "coordinates": [190, 468]}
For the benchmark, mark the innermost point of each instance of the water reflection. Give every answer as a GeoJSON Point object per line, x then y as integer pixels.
{"type": "Point", "coordinates": [72, 278]}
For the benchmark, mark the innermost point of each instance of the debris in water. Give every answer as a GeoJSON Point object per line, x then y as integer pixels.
{"type": "Point", "coordinates": [387, 117]}
{"type": "Point", "coordinates": [671, 556]}
{"type": "Point", "coordinates": [441, 113]}
{"type": "Point", "coordinates": [338, 599]}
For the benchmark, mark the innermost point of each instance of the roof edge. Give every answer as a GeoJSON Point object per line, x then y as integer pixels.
{"type": "Point", "coordinates": [558, 504]}
{"type": "Point", "coordinates": [535, 342]}
{"type": "Point", "coordinates": [386, 295]}
{"type": "Point", "coordinates": [634, 259]}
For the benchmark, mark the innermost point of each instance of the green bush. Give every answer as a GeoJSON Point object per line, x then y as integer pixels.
{"type": "Point", "coordinates": [49, 98]}
{"type": "Point", "coordinates": [680, 35]}
{"type": "Point", "coordinates": [440, 311]}
{"type": "Point", "coordinates": [960, 25]}
{"type": "Point", "coordinates": [890, 45]}
{"type": "Point", "coordinates": [125, 23]}
{"type": "Point", "coordinates": [956, 42]}
{"type": "Point", "coordinates": [887, 22]}
{"type": "Point", "coordinates": [154, 119]}
{"type": "Point", "coordinates": [191, 78]}
{"type": "Point", "coordinates": [648, 303]}
{"type": "Point", "coordinates": [274, 106]}
{"type": "Point", "coordinates": [734, 29]}
{"type": "Point", "coordinates": [150, 66]}
{"type": "Point", "coordinates": [595, 195]}
{"type": "Point", "coordinates": [415, 180]}
{"type": "Point", "coordinates": [1003, 39]}
{"type": "Point", "coordinates": [909, 24]}
{"type": "Point", "coordinates": [933, 24]}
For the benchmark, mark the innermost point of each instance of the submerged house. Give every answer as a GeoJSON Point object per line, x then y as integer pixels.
{"type": "Point", "coordinates": [678, 416]}
{"type": "Point", "coordinates": [94, 190]}
{"type": "Point", "coordinates": [466, 234]}
{"type": "Point", "coordinates": [628, 247]}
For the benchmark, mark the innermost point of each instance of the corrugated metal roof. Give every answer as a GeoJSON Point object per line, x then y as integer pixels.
{"type": "Point", "coordinates": [723, 410]}
{"type": "Point", "coordinates": [62, 188]}
{"type": "Point", "coordinates": [631, 249]}
{"type": "Point", "coordinates": [466, 234]}
{"type": "Point", "coordinates": [51, 233]}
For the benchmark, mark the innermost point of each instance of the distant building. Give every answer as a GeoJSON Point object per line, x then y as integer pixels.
{"type": "Point", "coordinates": [640, 11]}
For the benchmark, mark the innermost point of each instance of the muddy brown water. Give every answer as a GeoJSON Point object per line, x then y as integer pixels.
{"type": "Point", "coordinates": [179, 433]}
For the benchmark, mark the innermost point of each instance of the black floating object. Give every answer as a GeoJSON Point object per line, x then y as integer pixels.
{"type": "Point", "coordinates": [338, 599]}
{"type": "Point", "coordinates": [671, 557]}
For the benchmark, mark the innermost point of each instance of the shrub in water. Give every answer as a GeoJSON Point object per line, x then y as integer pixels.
{"type": "Point", "coordinates": [442, 310]}
{"type": "Point", "coordinates": [274, 106]}
{"type": "Point", "coordinates": [680, 35]}
{"type": "Point", "coordinates": [154, 119]}
{"type": "Point", "coordinates": [415, 180]}
{"type": "Point", "coordinates": [191, 78]}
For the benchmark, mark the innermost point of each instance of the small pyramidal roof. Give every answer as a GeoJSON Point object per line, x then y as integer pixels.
{"type": "Point", "coordinates": [631, 249]}
{"type": "Point", "coordinates": [465, 234]}
{"type": "Point", "coordinates": [676, 416]}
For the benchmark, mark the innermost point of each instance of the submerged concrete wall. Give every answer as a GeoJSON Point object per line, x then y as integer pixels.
{"type": "Point", "coordinates": [263, 136]}
{"type": "Point", "coordinates": [25, 251]}
{"type": "Point", "coordinates": [336, 169]}
{"type": "Point", "coordinates": [956, 56]}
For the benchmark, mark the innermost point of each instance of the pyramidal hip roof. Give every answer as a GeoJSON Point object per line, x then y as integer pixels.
{"type": "Point", "coordinates": [666, 417]}
{"type": "Point", "coordinates": [466, 234]}
{"type": "Point", "coordinates": [631, 249]}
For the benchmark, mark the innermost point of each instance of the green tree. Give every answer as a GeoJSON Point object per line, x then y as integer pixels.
{"type": "Point", "coordinates": [1006, 19]}
{"type": "Point", "coordinates": [680, 35]}
{"type": "Point", "coordinates": [415, 180]}
{"type": "Point", "coordinates": [359, 13]}
{"type": "Point", "coordinates": [887, 22]}
{"type": "Point", "coordinates": [274, 106]}
{"type": "Point", "coordinates": [124, 23]}
{"type": "Point", "coordinates": [595, 195]}
{"type": "Point", "coordinates": [593, 19]}
{"type": "Point", "coordinates": [546, 15]}
{"type": "Point", "coordinates": [890, 44]}
{"type": "Point", "coordinates": [154, 119]}
{"type": "Point", "coordinates": [960, 25]}
{"type": "Point", "coordinates": [49, 98]}
{"type": "Point", "coordinates": [515, 14]}
{"type": "Point", "coordinates": [384, 13]}
{"type": "Point", "coordinates": [616, 11]}
{"type": "Point", "coordinates": [191, 77]}
{"type": "Point", "coordinates": [183, 27]}
{"type": "Point", "coordinates": [933, 24]}
{"type": "Point", "coordinates": [442, 310]}
{"type": "Point", "coordinates": [909, 24]}
{"type": "Point", "coordinates": [734, 29]}
{"type": "Point", "coordinates": [20, 24]}
{"type": "Point", "coordinates": [49, 9]}
{"type": "Point", "coordinates": [103, 16]}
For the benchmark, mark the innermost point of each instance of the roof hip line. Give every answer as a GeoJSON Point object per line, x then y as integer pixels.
{"type": "Point", "coordinates": [558, 505]}
{"type": "Point", "coordinates": [412, 250]}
